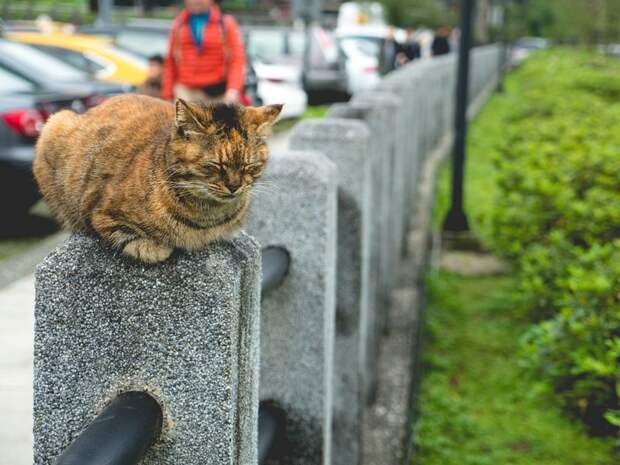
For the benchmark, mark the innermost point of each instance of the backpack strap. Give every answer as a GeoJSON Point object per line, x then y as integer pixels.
{"type": "Point", "coordinates": [176, 51]}
{"type": "Point", "coordinates": [224, 32]}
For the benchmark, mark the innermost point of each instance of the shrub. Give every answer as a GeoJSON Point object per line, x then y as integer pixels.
{"type": "Point", "coordinates": [578, 349]}
{"type": "Point", "coordinates": [558, 219]}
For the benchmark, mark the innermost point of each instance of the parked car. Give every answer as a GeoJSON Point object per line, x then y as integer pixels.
{"type": "Point", "coordinates": [143, 37]}
{"type": "Point", "coordinates": [361, 47]}
{"type": "Point", "coordinates": [97, 56]}
{"type": "Point", "coordinates": [284, 50]}
{"type": "Point", "coordinates": [324, 69]}
{"type": "Point", "coordinates": [277, 57]}
{"type": "Point", "coordinates": [34, 85]}
{"type": "Point", "coordinates": [24, 108]}
{"type": "Point", "coordinates": [48, 72]}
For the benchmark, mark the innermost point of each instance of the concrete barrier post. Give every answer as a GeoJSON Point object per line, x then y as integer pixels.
{"type": "Point", "coordinates": [185, 331]}
{"type": "Point", "coordinates": [403, 167]}
{"type": "Point", "coordinates": [296, 209]}
{"type": "Point", "coordinates": [346, 143]}
{"type": "Point", "coordinates": [386, 104]}
{"type": "Point", "coordinates": [377, 110]}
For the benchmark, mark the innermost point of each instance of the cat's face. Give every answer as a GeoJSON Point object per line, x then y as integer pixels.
{"type": "Point", "coordinates": [219, 150]}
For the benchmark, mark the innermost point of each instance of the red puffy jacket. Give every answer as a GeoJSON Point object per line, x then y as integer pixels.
{"type": "Point", "coordinates": [220, 59]}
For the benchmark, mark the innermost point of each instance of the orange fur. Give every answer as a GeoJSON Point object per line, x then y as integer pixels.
{"type": "Point", "coordinates": [148, 176]}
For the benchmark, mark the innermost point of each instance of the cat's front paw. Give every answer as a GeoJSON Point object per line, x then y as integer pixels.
{"type": "Point", "coordinates": [147, 251]}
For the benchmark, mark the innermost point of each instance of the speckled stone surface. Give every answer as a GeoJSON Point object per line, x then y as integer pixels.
{"type": "Point", "coordinates": [375, 118]}
{"type": "Point", "coordinates": [346, 142]}
{"type": "Point", "coordinates": [296, 209]}
{"type": "Point", "coordinates": [385, 106]}
{"type": "Point", "coordinates": [403, 154]}
{"type": "Point", "coordinates": [185, 330]}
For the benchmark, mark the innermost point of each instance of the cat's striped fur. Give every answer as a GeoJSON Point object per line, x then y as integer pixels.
{"type": "Point", "coordinates": [149, 176]}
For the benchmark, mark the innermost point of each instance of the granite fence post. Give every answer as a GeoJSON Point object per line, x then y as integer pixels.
{"type": "Point", "coordinates": [417, 90]}
{"type": "Point", "coordinates": [386, 106]}
{"type": "Point", "coordinates": [186, 331]}
{"type": "Point", "coordinates": [346, 143]}
{"type": "Point", "coordinates": [378, 118]}
{"type": "Point", "coordinates": [296, 209]}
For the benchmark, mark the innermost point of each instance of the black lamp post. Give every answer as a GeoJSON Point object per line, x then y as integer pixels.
{"type": "Point", "coordinates": [456, 220]}
{"type": "Point", "coordinates": [504, 39]}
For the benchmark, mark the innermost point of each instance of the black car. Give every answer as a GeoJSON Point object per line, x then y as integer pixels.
{"type": "Point", "coordinates": [32, 87]}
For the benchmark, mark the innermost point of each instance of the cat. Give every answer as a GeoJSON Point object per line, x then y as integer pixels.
{"type": "Point", "coordinates": [149, 176]}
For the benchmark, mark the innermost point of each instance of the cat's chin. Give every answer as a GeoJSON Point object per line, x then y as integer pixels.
{"type": "Point", "coordinates": [223, 199]}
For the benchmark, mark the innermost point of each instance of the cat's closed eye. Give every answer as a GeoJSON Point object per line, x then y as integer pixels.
{"type": "Point", "coordinates": [254, 169]}
{"type": "Point", "coordinates": [214, 169]}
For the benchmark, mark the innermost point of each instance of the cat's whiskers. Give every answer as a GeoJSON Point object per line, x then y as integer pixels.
{"type": "Point", "coordinates": [266, 186]}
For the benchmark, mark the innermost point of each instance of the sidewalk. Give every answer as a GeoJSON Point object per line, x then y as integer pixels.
{"type": "Point", "coordinates": [16, 347]}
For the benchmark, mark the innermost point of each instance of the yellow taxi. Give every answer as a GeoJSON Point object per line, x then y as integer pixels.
{"type": "Point", "coordinates": [96, 55]}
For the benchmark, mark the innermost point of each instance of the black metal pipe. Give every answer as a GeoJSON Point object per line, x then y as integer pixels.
{"type": "Point", "coordinates": [120, 435]}
{"type": "Point", "coordinates": [275, 263]}
{"type": "Point", "coordinates": [456, 220]}
{"type": "Point", "coordinates": [270, 430]}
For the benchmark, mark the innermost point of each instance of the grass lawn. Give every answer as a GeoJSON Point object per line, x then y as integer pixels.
{"type": "Point", "coordinates": [477, 405]}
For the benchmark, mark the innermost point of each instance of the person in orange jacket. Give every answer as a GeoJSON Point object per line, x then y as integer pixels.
{"type": "Point", "coordinates": [206, 57]}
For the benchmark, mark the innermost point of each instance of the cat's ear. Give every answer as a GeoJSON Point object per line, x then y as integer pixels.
{"type": "Point", "coordinates": [186, 116]}
{"type": "Point", "coordinates": [261, 118]}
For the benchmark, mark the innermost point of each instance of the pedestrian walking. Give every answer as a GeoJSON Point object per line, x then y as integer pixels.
{"type": "Point", "coordinates": [391, 49]}
{"type": "Point", "coordinates": [411, 48]}
{"type": "Point", "coordinates": [206, 57]}
{"type": "Point", "coordinates": [441, 42]}
{"type": "Point", "coordinates": [152, 84]}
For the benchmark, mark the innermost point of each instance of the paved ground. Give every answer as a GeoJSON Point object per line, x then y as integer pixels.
{"type": "Point", "coordinates": [16, 350]}
{"type": "Point", "coordinates": [387, 422]}
{"type": "Point", "coordinates": [16, 341]}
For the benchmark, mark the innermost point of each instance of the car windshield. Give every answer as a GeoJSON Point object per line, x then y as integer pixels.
{"type": "Point", "coordinates": [144, 44]}
{"type": "Point", "coordinates": [266, 45]}
{"type": "Point", "coordinates": [11, 83]}
{"type": "Point", "coordinates": [76, 59]}
{"type": "Point", "coordinates": [127, 55]}
{"type": "Point", "coordinates": [42, 65]}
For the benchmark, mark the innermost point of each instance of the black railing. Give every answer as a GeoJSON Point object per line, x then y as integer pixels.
{"type": "Point", "coordinates": [276, 261]}
{"type": "Point", "coordinates": [122, 433]}
{"type": "Point", "coordinates": [270, 431]}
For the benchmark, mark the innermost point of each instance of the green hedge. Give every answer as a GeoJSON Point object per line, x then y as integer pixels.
{"type": "Point", "coordinates": [558, 218]}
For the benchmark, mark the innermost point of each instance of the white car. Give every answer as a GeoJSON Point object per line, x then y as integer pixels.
{"type": "Point", "coordinates": [279, 83]}
{"type": "Point", "coordinates": [361, 48]}
{"type": "Point", "coordinates": [276, 54]}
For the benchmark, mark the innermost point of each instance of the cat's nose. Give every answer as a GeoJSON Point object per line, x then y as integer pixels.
{"type": "Point", "coordinates": [233, 186]}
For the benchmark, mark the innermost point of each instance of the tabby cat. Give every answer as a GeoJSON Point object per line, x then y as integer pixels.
{"type": "Point", "coordinates": [148, 176]}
